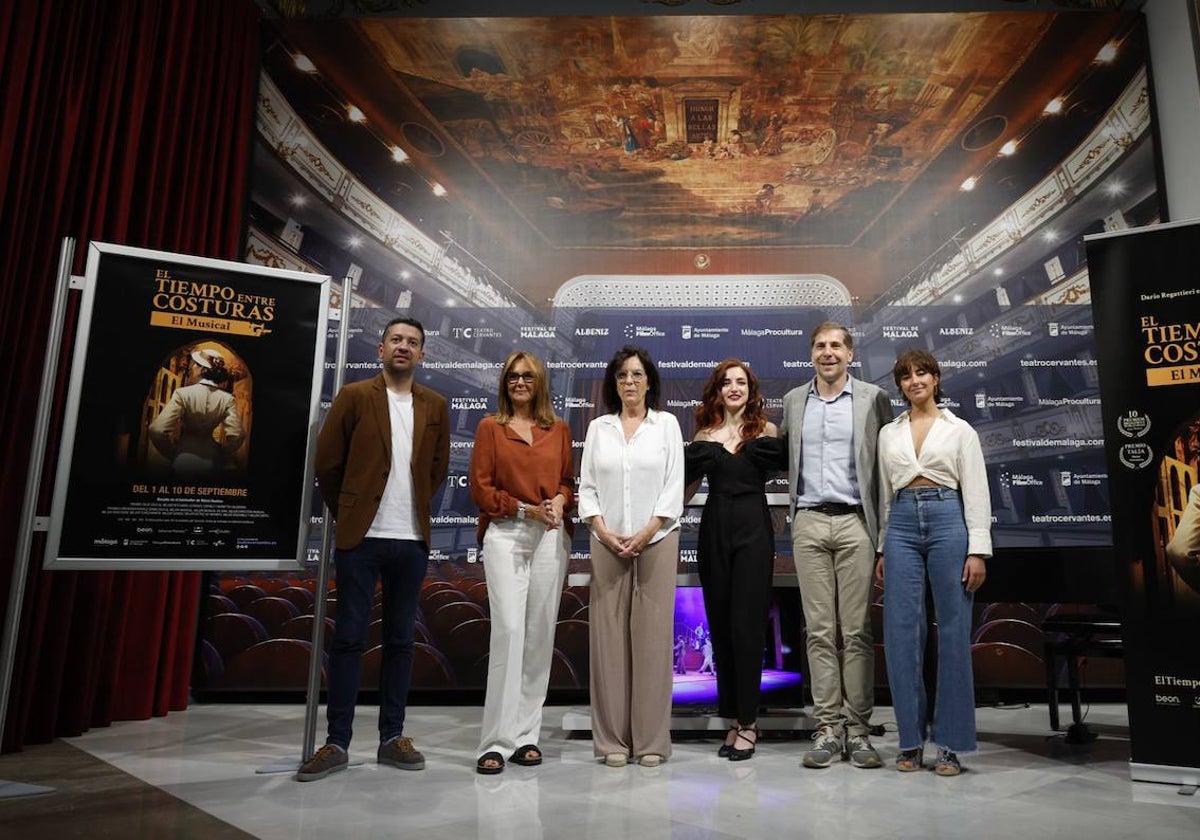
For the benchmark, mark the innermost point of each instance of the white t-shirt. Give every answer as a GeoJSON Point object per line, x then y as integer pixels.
{"type": "Point", "coordinates": [397, 515]}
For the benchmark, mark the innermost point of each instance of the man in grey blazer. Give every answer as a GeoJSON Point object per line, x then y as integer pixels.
{"type": "Point", "coordinates": [832, 425]}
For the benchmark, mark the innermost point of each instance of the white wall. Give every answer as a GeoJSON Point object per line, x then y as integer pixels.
{"type": "Point", "coordinates": [1177, 93]}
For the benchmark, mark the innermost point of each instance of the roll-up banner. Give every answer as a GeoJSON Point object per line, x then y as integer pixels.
{"type": "Point", "coordinates": [1146, 307]}
{"type": "Point", "coordinates": [191, 411]}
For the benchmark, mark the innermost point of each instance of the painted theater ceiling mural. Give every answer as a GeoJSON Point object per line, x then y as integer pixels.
{"type": "Point", "coordinates": [672, 131]}
{"type": "Point", "coordinates": [717, 131]}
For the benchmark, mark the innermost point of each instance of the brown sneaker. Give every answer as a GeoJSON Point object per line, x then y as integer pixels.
{"type": "Point", "coordinates": [328, 759]}
{"type": "Point", "coordinates": [400, 752]}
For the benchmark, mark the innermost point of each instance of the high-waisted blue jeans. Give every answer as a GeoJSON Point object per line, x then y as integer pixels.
{"type": "Point", "coordinates": [927, 540]}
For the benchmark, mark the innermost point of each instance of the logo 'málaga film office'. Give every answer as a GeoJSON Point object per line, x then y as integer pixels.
{"type": "Point", "coordinates": [1172, 351]}
{"type": "Point", "coordinates": [194, 304]}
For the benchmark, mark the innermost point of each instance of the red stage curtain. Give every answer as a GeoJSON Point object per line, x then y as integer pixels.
{"type": "Point", "coordinates": [126, 122]}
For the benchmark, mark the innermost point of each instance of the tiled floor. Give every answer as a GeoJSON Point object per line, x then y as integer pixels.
{"type": "Point", "coordinates": [1023, 784]}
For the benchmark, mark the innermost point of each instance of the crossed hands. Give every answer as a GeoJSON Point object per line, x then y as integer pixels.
{"type": "Point", "coordinates": [627, 547]}
{"type": "Point", "coordinates": [549, 512]}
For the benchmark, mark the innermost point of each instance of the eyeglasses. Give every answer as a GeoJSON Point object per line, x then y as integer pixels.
{"type": "Point", "coordinates": [514, 378]}
{"type": "Point", "coordinates": [635, 375]}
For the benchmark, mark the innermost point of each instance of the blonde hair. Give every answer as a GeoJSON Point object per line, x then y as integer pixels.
{"type": "Point", "coordinates": [543, 409]}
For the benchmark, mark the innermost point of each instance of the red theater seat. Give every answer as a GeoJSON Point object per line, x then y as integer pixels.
{"type": "Point", "coordinates": [568, 605]}
{"type": "Point", "coordinates": [431, 601]}
{"type": "Point", "coordinates": [218, 605]}
{"type": "Point", "coordinates": [1021, 612]}
{"type": "Point", "coordinates": [232, 633]}
{"type": "Point", "coordinates": [273, 613]}
{"type": "Point", "coordinates": [211, 665]}
{"type": "Point", "coordinates": [300, 598]}
{"type": "Point", "coordinates": [430, 668]}
{"type": "Point", "coordinates": [477, 593]}
{"type": "Point", "coordinates": [245, 594]}
{"type": "Point", "coordinates": [562, 674]}
{"type": "Point", "coordinates": [571, 638]}
{"type": "Point", "coordinates": [467, 643]}
{"type": "Point", "coordinates": [273, 664]}
{"type": "Point", "coordinates": [1015, 632]}
{"type": "Point", "coordinates": [1003, 665]}
{"type": "Point", "coordinates": [447, 617]}
{"type": "Point", "coordinates": [301, 628]}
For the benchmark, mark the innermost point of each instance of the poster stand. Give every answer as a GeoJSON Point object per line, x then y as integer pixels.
{"type": "Point", "coordinates": [29, 521]}
{"type": "Point", "coordinates": [301, 300]}
{"type": "Point", "coordinates": [289, 764]}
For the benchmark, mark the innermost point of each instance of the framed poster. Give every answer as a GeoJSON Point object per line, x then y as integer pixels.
{"type": "Point", "coordinates": [191, 415]}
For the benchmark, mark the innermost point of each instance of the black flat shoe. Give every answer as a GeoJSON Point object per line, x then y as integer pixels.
{"type": "Point", "coordinates": [522, 756]}
{"type": "Point", "coordinates": [723, 752]}
{"type": "Point", "coordinates": [483, 769]}
{"type": "Point", "coordinates": [736, 754]}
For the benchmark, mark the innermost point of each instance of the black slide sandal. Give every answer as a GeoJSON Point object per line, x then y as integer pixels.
{"type": "Point", "coordinates": [482, 769]}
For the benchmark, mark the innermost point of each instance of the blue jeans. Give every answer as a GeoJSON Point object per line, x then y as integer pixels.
{"type": "Point", "coordinates": [927, 540]}
{"type": "Point", "coordinates": [400, 564]}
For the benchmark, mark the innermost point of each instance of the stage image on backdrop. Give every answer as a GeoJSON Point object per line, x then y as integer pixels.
{"type": "Point", "coordinates": [712, 187]}
{"type": "Point", "coordinates": [193, 389]}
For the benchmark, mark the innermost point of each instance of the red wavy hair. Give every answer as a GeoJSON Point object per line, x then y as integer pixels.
{"type": "Point", "coordinates": [711, 413]}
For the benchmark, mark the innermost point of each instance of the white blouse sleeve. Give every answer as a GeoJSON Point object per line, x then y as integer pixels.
{"type": "Point", "coordinates": [669, 504]}
{"type": "Point", "coordinates": [589, 499]}
{"type": "Point", "coordinates": [977, 500]}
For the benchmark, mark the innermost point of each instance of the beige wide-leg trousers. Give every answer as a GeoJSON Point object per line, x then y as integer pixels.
{"type": "Point", "coordinates": [632, 616]}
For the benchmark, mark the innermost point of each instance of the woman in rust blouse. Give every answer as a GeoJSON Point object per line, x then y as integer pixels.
{"type": "Point", "coordinates": [522, 479]}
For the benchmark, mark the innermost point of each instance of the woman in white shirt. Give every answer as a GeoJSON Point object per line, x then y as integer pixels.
{"type": "Point", "coordinates": [936, 517]}
{"type": "Point", "coordinates": [631, 497]}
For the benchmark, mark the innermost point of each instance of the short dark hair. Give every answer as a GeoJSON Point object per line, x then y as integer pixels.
{"type": "Point", "coordinates": [612, 400]}
{"type": "Point", "coordinates": [412, 322]}
{"type": "Point", "coordinates": [826, 326]}
{"type": "Point", "coordinates": [914, 360]}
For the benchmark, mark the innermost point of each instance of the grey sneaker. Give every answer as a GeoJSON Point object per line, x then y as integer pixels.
{"type": "Point", "coordinates": [861, 753]}
{"type": "Point", "coordinates": [400, 752]}
{"type": "Point", "coordinates": [328, 759]}
{"type": "Point", "coordinates": [828, 746]}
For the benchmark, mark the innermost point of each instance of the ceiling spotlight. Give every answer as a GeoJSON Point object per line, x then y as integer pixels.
{"type": "Point", "coordinates": [968, 184]}
{"type": "Point", "coordinates": [999, 272]}
{"type": "Point", "coordinates": [1054, 106]}
{"type": "Point", "coordinates": [439, 190]}
{"type": "Point", "coordinates": [405, 274]}
{"type": "Point", "coordinates": [1049, 235]}
{"type": "Point", "coordinates": [449, 301]}
{"type": "Point", "coordinates": [354, 243]}
{"type": "Point", "coordinates": [1114, 188]}
{"type": "Point", "coordinates": [1107, 53]}
{"type": "Point", "coordinates": [297, 200]}
{"type": "Point", "coordinates": [304, 64]}
{"type": "Point", "coordinates": [957, 298]}
{"type": "Point", "coordinates": [355, 115]}
{"type": "Point", "coordinates": [399, 155]}
{"type": "Point", "coordinates": [1009, 148]}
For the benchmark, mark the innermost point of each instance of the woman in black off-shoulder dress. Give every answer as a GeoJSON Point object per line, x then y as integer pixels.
{"type": "Point", "coordinates": [737, 449]}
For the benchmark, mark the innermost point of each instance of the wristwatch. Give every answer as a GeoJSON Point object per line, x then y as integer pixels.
{"type": "Point", "coordinates": [520, 510]}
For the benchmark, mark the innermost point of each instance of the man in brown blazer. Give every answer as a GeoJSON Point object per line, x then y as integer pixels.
{"type": "Point", "coordinates": [382, 453]}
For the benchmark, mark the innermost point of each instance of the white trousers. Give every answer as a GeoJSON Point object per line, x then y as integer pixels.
{"type": "Point", "coordinates": [525, 565]}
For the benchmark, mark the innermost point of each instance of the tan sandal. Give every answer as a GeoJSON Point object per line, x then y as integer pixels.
{"type": "Point", "coordinates": [947, 763]}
